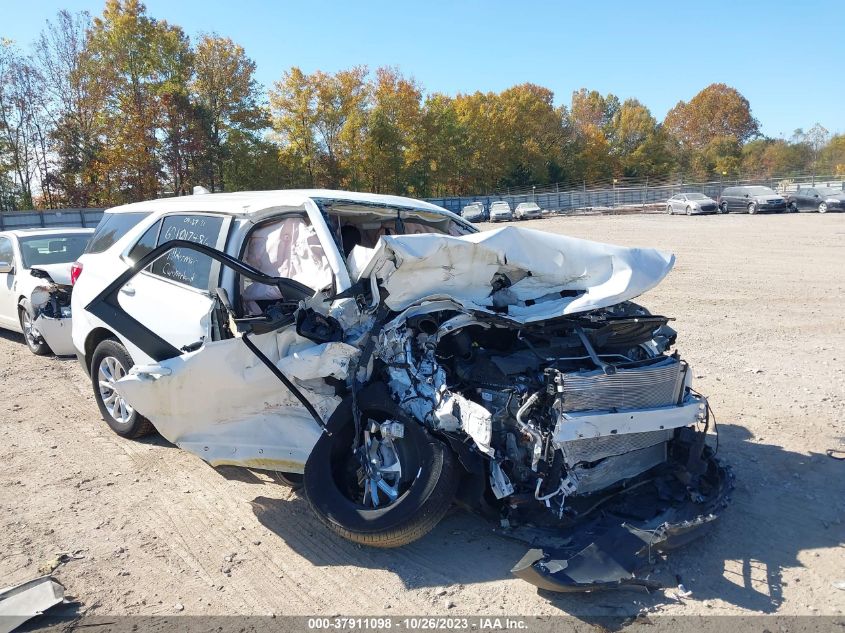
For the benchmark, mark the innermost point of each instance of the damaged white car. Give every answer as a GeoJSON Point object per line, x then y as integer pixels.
{"type": "Point", "coordinates": [397, 360]}
{"type": "Point", "coordinates": [35, 283]}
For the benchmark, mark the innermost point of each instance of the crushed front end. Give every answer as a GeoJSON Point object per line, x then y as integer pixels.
{"type": "Point", "coordinates": [583, 433]}
{"type": "Point", "coordinates": [51, 316]}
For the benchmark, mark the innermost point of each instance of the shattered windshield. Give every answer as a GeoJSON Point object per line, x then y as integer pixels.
{"type": "Point", "coordinates": [52, 249]}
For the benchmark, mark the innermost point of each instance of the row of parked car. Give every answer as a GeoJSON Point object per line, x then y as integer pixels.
{"type": "Point", "coordinates": [500, 211]}
{"type": "Point", "coordinates": [755, 199]}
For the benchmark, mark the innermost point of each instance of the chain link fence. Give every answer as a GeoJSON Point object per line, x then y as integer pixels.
{"type": "Point", "coordinates": [626, 193]}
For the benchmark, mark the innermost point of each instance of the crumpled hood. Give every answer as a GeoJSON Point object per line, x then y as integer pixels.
{"type": "Point", "coordinates": [522, 274]}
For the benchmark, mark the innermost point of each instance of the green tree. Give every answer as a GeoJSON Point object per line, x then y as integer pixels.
{"type": "Point", "coordinates": [225, 89]}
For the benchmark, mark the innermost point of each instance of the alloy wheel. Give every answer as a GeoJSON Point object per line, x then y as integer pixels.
{"type": "Point", "coordinates": [108, 373]}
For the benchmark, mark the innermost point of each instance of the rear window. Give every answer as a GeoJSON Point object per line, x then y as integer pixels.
{"type": "Point", "coordinates": [111, 228]}
{"type": "Point", "coordinates": [51, 249]}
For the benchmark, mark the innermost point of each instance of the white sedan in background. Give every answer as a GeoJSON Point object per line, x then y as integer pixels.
{"type": "Point", "coordinates": [691, 204]}
{"type": "Point", "coordinates": [35, 281]}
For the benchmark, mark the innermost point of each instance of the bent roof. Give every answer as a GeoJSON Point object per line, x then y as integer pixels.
{"type": "Point", "coordinates": [247, 202]}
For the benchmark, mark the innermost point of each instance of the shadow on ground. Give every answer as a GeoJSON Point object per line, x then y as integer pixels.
{"type": "Point", "coordinates": [785, 503]}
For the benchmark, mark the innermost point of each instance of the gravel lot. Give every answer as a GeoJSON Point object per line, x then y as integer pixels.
{"type": "Point", "coordinates": [759, 303]}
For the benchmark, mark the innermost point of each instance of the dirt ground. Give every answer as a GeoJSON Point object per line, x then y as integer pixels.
{"type": "Point", "coordinates": [760, 308]}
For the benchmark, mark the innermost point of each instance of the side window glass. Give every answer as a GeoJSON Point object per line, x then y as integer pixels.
{"type": "Point", "coordinates": [7, 255]}
{"type": "Point", "coordinates": [182, 265]}
{"type": "Point", "coordinates": [148, 242]}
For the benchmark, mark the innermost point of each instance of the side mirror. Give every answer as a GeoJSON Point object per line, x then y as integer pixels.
{"type": "Point", "coordinates": [6, 267]}
{"type": "Point", "coordinates": [815, 195]}
{"type": "Point", "coordinates": [746, 195]}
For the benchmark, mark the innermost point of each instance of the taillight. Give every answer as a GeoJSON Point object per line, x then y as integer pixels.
{"type": "Point", "coordinates": [75, 271]}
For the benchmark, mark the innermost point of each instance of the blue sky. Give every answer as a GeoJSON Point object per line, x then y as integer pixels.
{"type": "Point", "coordinates": [658, 52]}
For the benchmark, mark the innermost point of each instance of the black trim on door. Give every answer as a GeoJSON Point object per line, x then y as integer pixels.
{"type": "Point", "coordinates": [105, 305]}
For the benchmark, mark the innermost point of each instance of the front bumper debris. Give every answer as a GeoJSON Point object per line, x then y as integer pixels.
{"type": "Point", "coordinates": [608, 551]}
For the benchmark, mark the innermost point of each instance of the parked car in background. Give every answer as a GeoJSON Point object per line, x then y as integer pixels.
{"type": "Point", "coordinates": [474, 212]}
{"type": "Point", "coordinates": [500, 211]}
{"type": "Point", "coordinates": [821, 199]}
{"type": "Point", "coordinates": [751, 199]}
{"type": "Point", "coordinates": [527, 211]}
{"type": "Point", "coordinates": [691, 204]}
{"type": "Point", "coordinates": [35, 282]}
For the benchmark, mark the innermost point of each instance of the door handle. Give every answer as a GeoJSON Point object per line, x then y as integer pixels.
{"type": "Point", "coordinates": [128, 290]}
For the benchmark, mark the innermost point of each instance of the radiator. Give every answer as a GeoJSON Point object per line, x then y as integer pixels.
{"type": "Point", "coordinates": [595, 448]}
{"type": "Point", "coordinates": [613, 469]}
{"type": "Point", "coordinates": [657, 385]}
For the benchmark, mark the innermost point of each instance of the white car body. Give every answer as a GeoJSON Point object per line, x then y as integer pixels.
{"type": "Point", "coordinates": [254, 320]}
{"type": "Point", "coordinates": [500, 211]}
{"type": "Point", "coordinates": [23, 289]}
{"type": "Point", "coordinates": [527, 211]}
{"type": "Point", "coordinates": [238, 418]}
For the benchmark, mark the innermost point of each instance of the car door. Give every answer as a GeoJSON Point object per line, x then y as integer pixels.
{"type": "Point", "coordinates": [173, 296]}
{"type": "Point", "coordinates": [811, 199]}
{"type": "Point", "coordinates": [8, 298]}
{"type": "Point", "coordinates": [255, 396]}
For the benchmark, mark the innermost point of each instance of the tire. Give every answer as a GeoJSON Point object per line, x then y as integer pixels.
{"type": "Point", "coordinates": [793, 208]}
{"type": "Point", "coordinates": [291, 480]}
{"type": "Point", "coordinates": [723, 208]}
{"type": "Point", "coordinates": [669, 209]}
{"type": "Point", "coordinates": [109, 362]}
{"type": "Point", "coordinates": [752, 208]}
{"type": "Point", "coordinates": [689, 211]}
{"type": "Point", "coordinates": [823, 207]}
{"type": "Point", "coordinates": [429, 474]}
{"type": "Point", "coordinates": [36, 345]}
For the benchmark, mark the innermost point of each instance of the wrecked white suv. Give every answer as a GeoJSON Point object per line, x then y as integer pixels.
{"type": "Point", "coordinates": [35, 283]}
{"type": "Point", "coordinates": [397, 360]}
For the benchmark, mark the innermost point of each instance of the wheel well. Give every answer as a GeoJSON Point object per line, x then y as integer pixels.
{"type": "Point", "coordinates": [95, 337]}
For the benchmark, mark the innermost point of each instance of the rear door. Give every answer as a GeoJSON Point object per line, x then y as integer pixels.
{"type": "Point", "coordinates": [173, 296]}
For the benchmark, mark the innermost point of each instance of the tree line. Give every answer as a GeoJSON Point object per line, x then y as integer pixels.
{"type": "Point", "coordinates": [124, 107]}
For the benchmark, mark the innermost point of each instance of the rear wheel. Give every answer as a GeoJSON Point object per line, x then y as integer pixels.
{"type": "Point", "coordinates": [793, 207]}
{"type": "Point", "coordinates": [393, 489]}
{"type": "Point", "coordinates": [110, 362]}
{"type": "Point", "coordinates": [723, 208]}
{"type": "Point", "coordinates": [34, 341]}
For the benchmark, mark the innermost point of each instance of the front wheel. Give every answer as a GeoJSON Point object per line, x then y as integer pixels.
{"type": "Point", "coordinates": [393, 489]}
{"type": "Point", "coordinates": [752, 208]}
{"type": "Point", "coordinates": [689, 211]}
{"type": "Point", "coordinates": [669, 209]}
{"type": "Point", "coordinates": [823, 207]}
{"type": "Point", "coordinates": [110, 362]}
{"type": "Point", "coordinates": [34, 341]}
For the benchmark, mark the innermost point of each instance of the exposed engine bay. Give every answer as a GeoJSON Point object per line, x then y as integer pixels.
{"type": "Point", "coordinates": [567, 416]}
